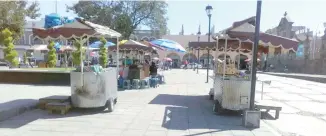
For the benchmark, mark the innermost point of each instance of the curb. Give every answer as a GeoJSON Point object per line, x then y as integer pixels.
{"type": "Point", "coordinates": [17, 110]}
{"type": "Point", "coordinates": [307, 78]}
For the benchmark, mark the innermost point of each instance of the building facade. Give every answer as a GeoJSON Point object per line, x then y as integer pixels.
{"type": "Point", "coordinates": [312, 42]}
{"type": "Point", "coordinates": [26, 40]}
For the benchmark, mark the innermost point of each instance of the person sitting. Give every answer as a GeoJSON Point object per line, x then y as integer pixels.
{"type": "Point", "coordinates": [153, 69]}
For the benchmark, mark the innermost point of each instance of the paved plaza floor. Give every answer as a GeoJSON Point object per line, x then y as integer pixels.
{"type": "Point", "coordinates": [303, 104]}
{"type": "Point", "coordinates": [179, 108]}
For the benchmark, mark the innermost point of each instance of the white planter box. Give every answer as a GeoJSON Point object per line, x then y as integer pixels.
{"type": "Point", "coordinates": [95, 90]}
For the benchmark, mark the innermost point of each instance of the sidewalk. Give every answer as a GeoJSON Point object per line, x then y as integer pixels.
{"type": "Point", "coordinates": [179, 108]}
{"type": "Point", "coordinates": [308, 77]}
{"type": "Point", "coordinates": [303, 104]}
{"type": "Point", "coordinates": [16, 99]}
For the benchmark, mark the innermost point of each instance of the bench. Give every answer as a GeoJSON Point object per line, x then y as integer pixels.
{"type": "Point", "coordinates": [56, 98]}
{"type": "Point", "coordinates": [268, 108]}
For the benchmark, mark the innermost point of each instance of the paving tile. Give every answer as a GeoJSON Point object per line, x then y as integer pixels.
{"type": "Point", "coordinates": [155, 133]}
{"type": "Point", "coordinates": [177, 133]}
{"type": "Point", "coordinates": [110, 131]}
{"type": "Point", "coordinates": [133, 132]}
{"type": "Point", "coordinates": [257, 133]}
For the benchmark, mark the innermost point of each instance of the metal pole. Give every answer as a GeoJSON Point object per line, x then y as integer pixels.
{"type": "Point", "coordinates": [262, 89]}
{"type": "Point", "coordinates": [56, 6]}
{"type": "Point", "coordinates": [198, 54]}
{"type": "Point", "coordinates": [209, 39]}
{"type": "Point", "coordinates": [198, 59]}
{"type": "Point", "coordinates": [254, 56]}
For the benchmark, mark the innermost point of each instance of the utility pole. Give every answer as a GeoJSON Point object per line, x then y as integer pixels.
{"type": "Point", "coordinates": [56, 6]}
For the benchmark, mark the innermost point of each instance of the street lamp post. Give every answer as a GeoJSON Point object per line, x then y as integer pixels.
{"type": "Point", "coordinates": [209, 10]}
{"type": "Point", "coordinates": [198, 34]}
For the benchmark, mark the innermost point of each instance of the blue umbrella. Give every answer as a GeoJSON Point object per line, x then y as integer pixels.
{"type": "Point", "coordinates": [300, 51]}
{"type": "Point", "coordinates": [97, 44]}
{"type": "Point", "coordinates": [168, 44]}
{"type": "Point", "coordinates": [57, 46]}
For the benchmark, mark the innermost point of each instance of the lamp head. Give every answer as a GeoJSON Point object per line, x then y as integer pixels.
{"type": "Point", "coordinates": [209, 10]}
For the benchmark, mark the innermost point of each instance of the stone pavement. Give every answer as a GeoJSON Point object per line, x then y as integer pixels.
{"type": "Point", "coordinates": [303, 104]}
{"type": "Point", "coordinates": [180, 107]}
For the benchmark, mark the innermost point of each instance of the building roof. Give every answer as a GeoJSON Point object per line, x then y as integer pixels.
{"type": "Point", "coordinates": [184, 40]}
{"type": "Point", "coordinates": [250, 20]}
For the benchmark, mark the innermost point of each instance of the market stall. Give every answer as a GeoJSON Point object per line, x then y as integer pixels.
{"type": "Point", "coordinates": [132, 54]}
{"type": "Point", "coordinates": [231, 86]}
{"type": "Point", "coordinates": [85, 93]}
{"type": "Point", "coordinates": [231, 89]}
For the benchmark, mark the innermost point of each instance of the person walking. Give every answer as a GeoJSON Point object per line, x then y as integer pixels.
{"type": "Point", "coordinates": [185, 64]}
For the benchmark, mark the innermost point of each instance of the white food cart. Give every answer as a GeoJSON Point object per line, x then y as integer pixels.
{"type": "Point", "coordinates": [88, 89]}
{"type": "Point", "coordinates": [231, 91]}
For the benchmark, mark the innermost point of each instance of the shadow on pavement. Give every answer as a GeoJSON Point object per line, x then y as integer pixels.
{"type": "Point", "coordinates": [28, 117]}
{"type": "Point", "coordinates": [195, 112]}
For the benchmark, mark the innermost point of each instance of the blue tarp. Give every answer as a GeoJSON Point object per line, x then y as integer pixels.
{"type": "Point", "coordinates": [300, 51]}
{"type": "Point", "coordinates": [97, 44]}
{"type": "Point", "coordinates": [54, 19]}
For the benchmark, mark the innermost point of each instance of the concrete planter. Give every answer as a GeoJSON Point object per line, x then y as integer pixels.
{"type": "Point", "coordinates": [94, 90]}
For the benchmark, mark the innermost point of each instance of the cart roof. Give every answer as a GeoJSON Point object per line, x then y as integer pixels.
{"type": "Point", "coordinates": [77, 29]}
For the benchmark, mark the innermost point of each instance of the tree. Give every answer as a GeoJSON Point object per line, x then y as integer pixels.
{"type": "Point", "coordinates": [103, 53]}
{"type": "Point", "coordinates": [9, 51]}
{"type": "Point", "coordinates": [25, 58]}
{"type": "Point", "coordinates": [13, 13]}
{"type": "Point", "coordinates": [52, 56]}
{"type": "Point", "coordinates": [76, 54]}
{"type": "Point", "coordinates": [124, 16]}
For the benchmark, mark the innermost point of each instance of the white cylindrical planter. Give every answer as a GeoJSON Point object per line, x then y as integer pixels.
{"type": "Point", "coordinates": [95, 90]}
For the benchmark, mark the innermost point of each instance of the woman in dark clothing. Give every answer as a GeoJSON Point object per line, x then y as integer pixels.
{"type": "Point", "coordinates": [153, 69]}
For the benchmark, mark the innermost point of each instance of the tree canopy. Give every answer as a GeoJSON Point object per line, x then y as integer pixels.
{"type": "Point", "coordinates": [124, 16]}
{"type": "Point", "coordinates": [13, 13]}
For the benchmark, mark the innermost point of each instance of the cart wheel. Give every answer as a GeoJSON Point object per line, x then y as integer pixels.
{"type": "Point", "coordinates": [217, 108]}
{"type": "Point", "coordinates": [110, 105]}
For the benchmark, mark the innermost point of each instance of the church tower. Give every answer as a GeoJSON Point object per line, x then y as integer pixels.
{"type": "Point", "coordinates": [182, 31]}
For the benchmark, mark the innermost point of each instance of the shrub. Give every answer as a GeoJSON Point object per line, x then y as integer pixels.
{"type": "Point", "coordinates": [9, 50]}
{"type": "Point", "coordinates": [52, 56]}
{"type": "Point", "coordinates": [76, 54]}
{"type": "Point", "coordinates": [103, 53]}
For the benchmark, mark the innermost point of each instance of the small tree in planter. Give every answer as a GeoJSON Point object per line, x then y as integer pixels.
{"type": "Point", "coordinates": [9, 51]}
{"type": "Point", "coordinates": [25, 58]}
{"type": "Point", "coordinates": [76, 54]}
{"type": "Point", "coordinates": [52, 56]}
{"type": "Point", "coordinates": [103, 53]}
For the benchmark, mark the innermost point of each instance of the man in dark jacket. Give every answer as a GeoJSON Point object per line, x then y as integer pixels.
{"type": "Point", "coordinates": [153, 69]}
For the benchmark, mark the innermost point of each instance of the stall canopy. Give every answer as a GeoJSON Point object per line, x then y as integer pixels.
{"type": "Point", "coordinates": [240, 36]}
{"type": "Point", "coordinates": [168, 45]}
{"type": "Point", "coordinates": [76, 29]}
{"type": "Point", "coordinates": [131, 45]}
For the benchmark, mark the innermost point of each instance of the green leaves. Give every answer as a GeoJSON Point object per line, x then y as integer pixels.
{"type": "Point", "coordinates": [52, 56]}
{"type": "Point", "coordinates": [12, 16]}
{"type": "Point", "coordinates": [9, 51]}
{"type": "Point", "coordinates": [103, 53]}
{"type": "Point", "coordinates": [124, 16]}
{"type": "Point", "coordinates": [76, 54]}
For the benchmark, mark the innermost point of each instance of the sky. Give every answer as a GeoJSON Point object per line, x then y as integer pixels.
{"type": "Point", "coordinates": [191, 13]}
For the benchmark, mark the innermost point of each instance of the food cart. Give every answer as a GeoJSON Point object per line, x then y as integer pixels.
{"type": "Point", "coordinates": [88, 89]}
{"type": "Point", "coordinates": [231, 90]}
